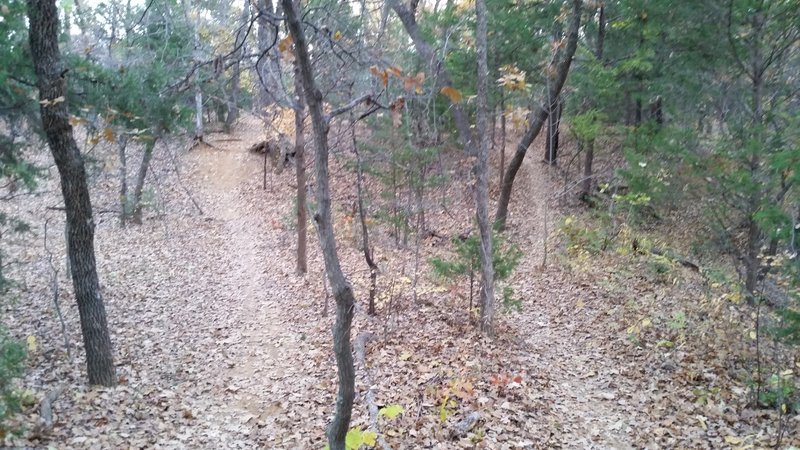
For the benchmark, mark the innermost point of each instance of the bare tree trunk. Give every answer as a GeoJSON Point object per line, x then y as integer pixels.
{"type": "Point", "coordinates": [586, 188]}
{"type": "Point", "coordinates": [198, 92]}
{"type": "Point", "coordinates": [123, 180]}
{"type": "Point", "coordinates": [147, 156]}
{"type": "Point", "coordinates": [342, 291]}
{"type": "Point", "coordinates": [233, 98]}
{"type": "Point", "coordinates": [300, 164]}
{"type": "Point", "coordinates": [502, 136]}
{"type": "Point", "coordinates": [43, 20]}
{"type": "Point", "coordinates": [482, 174]}
{"type": "Point", "coordinates": [538, 116]}
{"type": "Point", "coordinates": [553, 131]}
{"type": "Point", "coordinates": [588, 161]}
{"type": "Point", "coordinates": [267, 64]}
{"type": "Point", "coordinates": [362, 216]}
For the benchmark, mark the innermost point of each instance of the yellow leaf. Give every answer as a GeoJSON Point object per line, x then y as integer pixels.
{"type": "Point", "coordinates": [452, 93]}
{"type": "Point", "coordinates": [753, 335]}
{"type": "Point", "coordinates": [733, 440]}
{"type": "Point", "coordinates": [369, 438]}
{"type": "Point", "coordinates": [579, 304]}
{"type": "Point", "coordinates": [31, 344]}
{"type": "Point", "coordinates": [405, 356]}
{"type": "Point", "coordinates": [337, 35]}
{"type": "Point", "coordinates": [646, 323]}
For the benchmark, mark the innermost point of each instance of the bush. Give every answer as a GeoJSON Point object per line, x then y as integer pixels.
{"type": "Point", "coordinates": [12, 365]}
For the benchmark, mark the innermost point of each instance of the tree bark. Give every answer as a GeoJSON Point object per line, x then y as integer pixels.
{"type": "Point", "coordinates": [588, 161]}
{"type": "Point", "coordinates": [437, 70]}
{"type": "Point", "coordinates": [196, 57]}
{"type": "Point", "coordinates": [300, 165]}
{"type": "Point", "coordinates": [43, 20]}
{"type": "Point", "coordinates": [147, 156]}
{"type": "Point", "coordinates": [123, 180]}
{"type": "Point", "coordinates": [267, 64]}
{"type": "Point", "coordinates": [482, 175]}
{"type": "Point", "coordinates": [538, 116]}
{"type": "Point", "coordinates": [342, 291]}
{"type": "Point", "coordinates": [233, 98]}
{"type": "Point", "coordinates": [553, 131]}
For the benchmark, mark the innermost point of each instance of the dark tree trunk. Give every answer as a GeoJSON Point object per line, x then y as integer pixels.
{"type": "Point", "coordinates": [342, 291]}
{"type": "Point", "coordinates": [553, 132]}
{"type": "Point", "coordinates": [123, 180]}
{"type": "Point", "coordinates": [586, 188]}
{"type": "Point", "coordinates": [147, 156]}
{"type": "Point", "coordinates": [502, 136]}
{"type": "Point", "coordinates": [43, 20]}
{"type": "Point", "coordinates": [300, 165]}
{"type": "Point", "coordinates": [362, 216]}
{"type": "Point", "coordinates": [482, 175]}
{"type": "Point", "coordinates": [538, 116]}
{"type": "Point", "coordinates": [588, 161]}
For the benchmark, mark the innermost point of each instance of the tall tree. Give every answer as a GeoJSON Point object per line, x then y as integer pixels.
{"type": "Point", "coordinates": [482, 174]}
{"type": "Point", "coordinates": [342, 291]}
{"type": "Point", "coordinates": [50, 74]}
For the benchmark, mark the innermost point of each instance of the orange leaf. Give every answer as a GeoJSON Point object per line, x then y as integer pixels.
{"type": "Point", "coordinates": [452, 93]}
{"type": "Point", "coordinates": [337, 35]}
{"type": "Point", "coordinates": [108, 134]}
{"type": "Point", "coordinates": [285, 44]}
{"type": "Point", "coordinates": [517, 379]}
{"type": "Point", "coordinates": [396, 71]}
{"type": "Point", "coordinates": [382, 74]}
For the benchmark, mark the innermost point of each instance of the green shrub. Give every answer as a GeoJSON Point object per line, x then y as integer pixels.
{"type": "Point", "coordinates": [12, 365]}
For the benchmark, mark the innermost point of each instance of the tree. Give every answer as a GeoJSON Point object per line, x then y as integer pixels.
{"type": "Point", "coordinates": [559, 69]}
{"type": "Point", "coordinates": [482, 174]}
{"type": "Point", "coordinates": [51, 76]}
{"type": "Point", "coordinates": [342, 291]}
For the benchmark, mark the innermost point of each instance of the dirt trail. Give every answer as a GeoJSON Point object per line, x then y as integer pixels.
{"type": "Point", "coordinates": [260, 343]}
{"type": "Point", "coordinates": [584, 396]}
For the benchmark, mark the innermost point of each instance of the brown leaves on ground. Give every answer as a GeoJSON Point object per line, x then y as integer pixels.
{"type": "Point", "coordinates": [220, 345]}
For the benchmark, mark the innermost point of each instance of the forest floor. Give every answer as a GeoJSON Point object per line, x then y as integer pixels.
{"type": "Point", "coordinates": [220, 344]}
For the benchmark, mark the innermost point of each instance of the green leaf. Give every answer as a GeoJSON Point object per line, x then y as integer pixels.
{"type": "Point", "coordinates": [391, 411]}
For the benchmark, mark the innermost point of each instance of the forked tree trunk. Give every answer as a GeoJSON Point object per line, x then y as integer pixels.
{"type": "Point", "coordinates": [43, 20]}
{"type": "Point", "coordinates": [300, 164]}
{"type": "Point", "coordinates": [482, 174]}
{"type": "Point", "coordinates": [342, 291]}
{"type": "Point", "coordinates": [538, 116]}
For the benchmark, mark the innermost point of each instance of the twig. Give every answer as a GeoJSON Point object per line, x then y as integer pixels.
{"type": "Point", "coordinates": [359, 345]}
{"type": "Point", "coordinates": [55, 290]}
